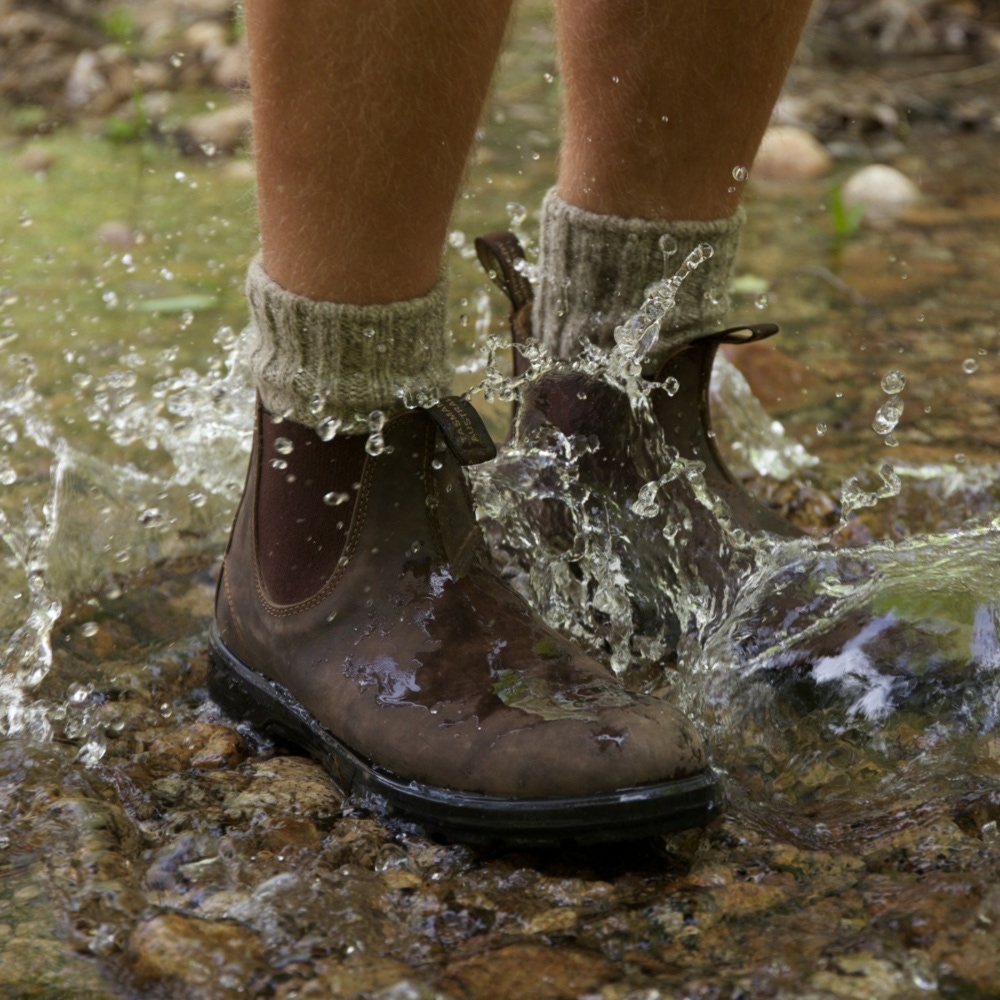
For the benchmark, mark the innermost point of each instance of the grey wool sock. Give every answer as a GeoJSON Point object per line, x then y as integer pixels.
{"type": "Point", "coordinates": [313, 361]}
{"type": "Point", "coordinates": [594, 270]}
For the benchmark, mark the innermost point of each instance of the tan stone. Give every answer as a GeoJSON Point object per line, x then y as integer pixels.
{"type": "Point", "coordinates": [789, 153]}
{"type": "Point", "coordinates": [881, 192]}
{"type": "Point", "coordinates": [201, 746]}
{"type": "Point", "coordinates": [526, 970]}
{"type": "Point", "coordinates": [220, 131]}
{"type": "Point", "coordinates": [215, 958]}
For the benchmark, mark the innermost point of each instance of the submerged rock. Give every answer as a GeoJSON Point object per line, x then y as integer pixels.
{"type": "Point", "coordinates": [789, 153]}
{"type": "Point", "coordinates": [881, 192]}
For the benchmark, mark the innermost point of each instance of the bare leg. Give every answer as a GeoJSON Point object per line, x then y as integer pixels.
{"type": "Point", "coordinates": [665, 103]}
{"type": "Point", "coordinates": [664, 99]}
{"type": "Point", "coordinates": [363, 118]}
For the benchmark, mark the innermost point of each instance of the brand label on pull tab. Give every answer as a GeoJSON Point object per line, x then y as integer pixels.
{"type": "Point", "coordinates": [464, 430]}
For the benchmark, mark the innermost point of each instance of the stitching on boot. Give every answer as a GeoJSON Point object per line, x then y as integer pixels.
{"type": "Point", "coordinates": [233, 617]}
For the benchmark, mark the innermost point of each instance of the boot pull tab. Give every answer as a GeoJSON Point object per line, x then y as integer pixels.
{"type": "Point", "coordinates": [741, 334]}
{"type": "Point", "coordinates": [501, 255]}
{"type": "Point", "coordinates": [463, 429]}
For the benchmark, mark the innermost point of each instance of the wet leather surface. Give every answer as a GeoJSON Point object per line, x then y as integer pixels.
{"type": "Point", "coordinates": [420, 657]}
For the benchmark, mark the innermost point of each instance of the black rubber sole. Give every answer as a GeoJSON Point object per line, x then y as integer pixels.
{"type": "Point", "coordinates": [466, 817]}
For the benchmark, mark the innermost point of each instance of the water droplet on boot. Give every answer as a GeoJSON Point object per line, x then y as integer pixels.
{"type": "Point", "coordinates": [283, 446]}
{"type": "Point", "coordinates": [740, 174]}
{"type": "Point", "coordinates": [668, 245]}
{"type": "Point", "coordinates": [335, 499]}
{"type": "Point", "coordinates": [671, 386]}
{"type": "Point", "coordinates": [327, 428]}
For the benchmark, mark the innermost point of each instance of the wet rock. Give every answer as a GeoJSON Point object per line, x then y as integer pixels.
{"type": "Point", "coordinates": [239, 170]}
{"type": "Point", "coordinates": [201, 746]}
{"type": "Point", "coordinates": [881, 192]}
{"type": "Point", "coordinates": [789, 153]}
{"type": "Point", "coordinates": [232, 69]}
{"type": "Point", "coordinates": [861, 975]}
{"type": "Point", "coordinates": [777, 379]}
{"type": "Point", "coordinates": [150, 74]}
{"type": "Point", "coordinates": [36, 968]}
{"type": "Point", "coordinates": [215, 959]}
{"type": "Point", "coordinates": [217, 131]}
{"type": "Point", "coordinates": [526, 970]}
{"type": "Point", "coordinates": [85, 81]}
{"type": "Point", "coordinates": [357, 976]}
{"type": "Point", "coordinates": [207, 40]}
{"type": "Point", "coordinates": [287, 786]}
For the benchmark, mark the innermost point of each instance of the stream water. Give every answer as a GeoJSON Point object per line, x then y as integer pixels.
{"type": "Point", "coordinates": [848, 681]}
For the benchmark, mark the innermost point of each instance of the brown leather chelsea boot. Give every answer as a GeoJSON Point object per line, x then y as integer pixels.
{"type": "Point", "coordinates": [359, 616]}
{"type": "Point", "coordinates": [624, 451]}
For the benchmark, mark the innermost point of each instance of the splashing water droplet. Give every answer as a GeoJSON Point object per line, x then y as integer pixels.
{"type": "Point", "coordinates": [969, 365]}
{"type": "Point", "coordinates": [335, 499]}
{"type": "Point", "coordinates": [821, 429]}
{"type": "Point", "coordinates": [368, 332]}
{"type": "Point", "coordinates": [645, 504]}
{"type": "Point", "coordinates": [375, 445]}
{"type": "Point", "coordinates": [891, 441]}
{"type": "Point", "coordinates": [888, 415]}
{"type": "Point", "coordinates": [327, 428]}
{"type": "Point", "coordinates": [278, 463]}
{"type": "Point", "coordinates": [761, 301]}
{"type": "Point", "coordinates": [671, 386]}
{"type": "Point", "coordinates": [893, 382]}
{"type": "Point", "coordinates": [516, 213]}
{"type": "Point", "coordinates": [283, 446]}
{"type": "Point", "coordinates": [89, 630]}
{"type": "Point", "coordinates": [668, 245]}
{"type": "Point", "coordinates": [740, 174]}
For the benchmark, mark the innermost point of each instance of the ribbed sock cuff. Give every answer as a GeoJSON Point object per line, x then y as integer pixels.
{"type": "Point", "coordinates": [312, 360]}
{"type": "Point", "coordinates": [594, 270]}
